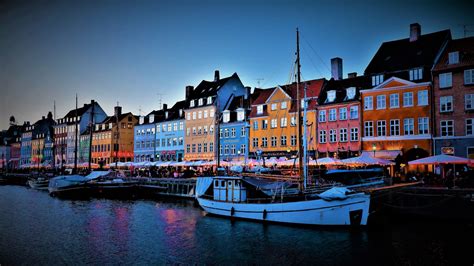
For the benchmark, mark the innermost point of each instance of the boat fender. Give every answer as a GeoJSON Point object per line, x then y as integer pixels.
{"type": "Point", "coordinates": [232, 211]}
{"type": "Point", "coordinates": [264, 214]}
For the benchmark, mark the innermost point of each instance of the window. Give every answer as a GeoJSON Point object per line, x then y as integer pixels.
{"type": "Point", "coordinates": [368, 104]}
{"type": "Point", "coordinates": [468, 76]}
{"type": "Point", "coordinates": [394, 101]}
{"type": "Point", "coordinates": [381, 101]}
{"type": "Point", "coordinates": [332, 135]}
{"type": "Point", "coordinates": [407, 99]}
{"type": "Point", "coordinates": [408, 126]}
{"type": "Point", "coordinates": [264, 142]}
{"type": "Point", "coordinates": [322, 136]}
{"type": "Point", "coordinates": [274, 141]}
{"type": "Point", "coordinates": [283, 141]}
{"type": "Point", "coordinates": [264, 124]}
{"type": "Point", "coordinates": [169, 127]}
{"type": "Point", "coordinates": [243, 132]}
{"type": "Point", "coordinates": [211, 147]}
{"type": "Point", "coordinates": [200, 102]}
{"type": "Point", "coordinates": [343, 113]}
{"type": "Point", "coordinates": [240, 115]}
{"type": "Point", "coordinates": [209, 100]}
{"type": "Point", "coordinates": [446, 104]}
{"type": "Point", "coordinates": [369, 128]}
{"type": "Point", "coordinates": [377, 79]}
{"type": "Point", "coordinates": [274, 106]}
{"type": "Point", "coordinates": [255, 142]}
{"type": "Point", "coordinates": [232, 132]}
{"type": "Point", "coordinates": [205, 114]}
{"type": "Point", "coordinates": [332, 114]}
{"type": "Point", "coordinates": [194, 130]}
{"type": "Point", "coordinates": [453, 58]}
{"type": "Point", "coordinates": [211, 129]}
{"type": "Point", "coordinates": [194, 115]}
{"type": "Point", "coordinates": [181, 125]}
{"type": "Point", "coordinates": [211, 114]}
{"type": "Point", "coordinates": [226, 133]}
{"type": "Point", "coordinates": [181, 141]}
{"type": "Point", "coordinates": [255, 125]}
{"type": "Point", "coordinates": [422, 98]}
{"type": "Point", "coordinates": [445, 80]}
{"type": "Point", "coordinates": [205, 130]}
{"type": "Point", "coordinates": [469, 126]}
{"type": "Point", "coordinates": [274, 123]}
{"type": "Point", "coordinates": [194, 148]}
{"type": "Point", "coordinates": [354, 112]}
{"type": "Point", "coordinates": [381, 128]}
{"type": "Point", "coordinates": [354, 134]}
{"type": "Point", "coordinates": [175, 126]}
{"type": "Point", "coordinates": [322, 116]}
{"type": "Point", "coordinates": [293, 121]}
{"type": "Point", "coordinates": [416, 74]}
{"type": "Point", "coordinates": [283, 122]}
{"type": "Point", "coordinates": [199, 147]}
{"type": "Point", "coordinates": [243, 148]}
{"type": "Point", "coordinates": [200, 115]}
{"type": "Point", "coordinates": [204, 149]}
{"type": "Point", "coordinates": [226, 117]}
{"type": "Point", "coordinates": [259, 109]}
{"type": "Point", "coordinates": [343, 134]}
{"type": "Point", "coordinates": [293, 140]}
{"type": "Point", "coordinates": [232, 149]}
{"type": "Point", "coordinates": [395, 127]}
{"type": "Point", "coordinates": [469, 101]}
{"type": "Point", "coordinates": [188, 148]}
{"type": "Point", "coordinates": [191, 103]}
{"type": "Point", "coordinates": [226, 149]}
{"type": "Point", "coordinates": [447, 128]}
{"type": "Point", "coordinates": [283, 105]}
{"type": "Point", "coordinates": [188, 131]}
{"type": "Point", "coordinates": [423, 125]}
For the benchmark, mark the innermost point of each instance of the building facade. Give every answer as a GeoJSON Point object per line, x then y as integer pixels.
{"type": "Point", "coordinates": [144, 137]}
{"type": "Point", "coordinates": [454, 100]}
{"type": "Point", "coordinates": [203, 104]}
{"type": "Point", "coordinates": [273, 120]}
{"type": "Point", "coordinates": [42, 142]}
{"type": "Point", "coordinates": [26, 138]}
{"type": "Point", "coordinates": [396, 120]}
{"type": "Point", "coordinates": [169, 142]}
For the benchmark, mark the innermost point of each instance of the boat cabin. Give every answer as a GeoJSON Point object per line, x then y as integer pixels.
{"type": "Point", "coordinates": [228, 188]}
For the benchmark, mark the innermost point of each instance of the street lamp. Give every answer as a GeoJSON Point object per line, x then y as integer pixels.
{"type": "Point", "coordinates": [374, 147]}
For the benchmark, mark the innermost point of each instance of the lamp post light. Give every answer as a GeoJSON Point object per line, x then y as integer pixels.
{"type": "Point", "coordinates": [374, 147]}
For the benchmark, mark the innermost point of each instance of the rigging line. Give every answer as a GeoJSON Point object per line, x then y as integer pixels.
{"type": "Point", "coordinates": [327, 67]}
{"type": "Point", "coordinates": [312, 63]}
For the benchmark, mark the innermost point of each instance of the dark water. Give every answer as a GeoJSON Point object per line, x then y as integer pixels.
{"type": "Point", "coordinates": [37, 229]}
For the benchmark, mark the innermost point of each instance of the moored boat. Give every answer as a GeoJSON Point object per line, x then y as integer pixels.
{"type": "Point", "coordinates": [72, 186]}
{"type": "Point", "coordinates": [39, 183]}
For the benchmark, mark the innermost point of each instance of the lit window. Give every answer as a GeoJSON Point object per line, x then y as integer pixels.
{"type": "Point", "coordinates": [200, 102]}
{"type": "Point", "coordinates": [200, 115]}
{"type": "Point", "coordinates": [274, 123]}
{"type": "Point", "coordinates": [283, 122]}
{"type": "Point", "coordinates": [191, 103]}
{"type": "Point", "coordinates": [259, 109]}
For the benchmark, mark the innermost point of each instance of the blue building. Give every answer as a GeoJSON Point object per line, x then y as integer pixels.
{"type": "Point", "coordinates": [144, 136]}
{"type": "Point", "coordinates": [169, 142]}
{"type": "Point", "coordinates": [42, 141]}
{"type": "Point", "coordinates": [26, 138]}
{"type": "Point", "coordinates": [234, 130]}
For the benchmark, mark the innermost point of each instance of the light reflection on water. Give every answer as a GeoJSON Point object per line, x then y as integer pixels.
{"type": "Point", "coordinates": [38, 229]}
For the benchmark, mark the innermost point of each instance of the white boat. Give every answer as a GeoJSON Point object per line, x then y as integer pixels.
{"type": "Point", "coordinates": [238, 197]}
{"type": "Point", "coordinates": [73, 185]}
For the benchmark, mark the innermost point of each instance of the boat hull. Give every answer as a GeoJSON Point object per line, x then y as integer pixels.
{"type": "Point", "coordinates": [354, 210]}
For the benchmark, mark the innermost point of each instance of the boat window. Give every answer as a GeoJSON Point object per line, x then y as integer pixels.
{"type": "Point", "coordinates": [237, 183]}
{"type": "Point", "coordinates": [222, 183]}
{"type": "Point", "coordinates": [230, 183]}
{"type": "Point", "coordinates": [216, 183]}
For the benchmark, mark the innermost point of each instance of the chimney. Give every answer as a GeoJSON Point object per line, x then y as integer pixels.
{"type": "Point", "coordinates": [216, 75]}
{"type": "Point", "coordinates": [189, 90]}
{"type": "Point", "coordinates": [247, 93]}
{"type": "Point", "coordinates": [336, 68]}
{"type": "Point", "coordinates": [352, 75]}
{"type": "Point", "coordinates": [117, 110]}
{"type": "Point", "coordinates": [43, 117]}
{"type": "Point", "coordinates": [165, 106]}
{"type": "Point", "coordinates": [415, 32]}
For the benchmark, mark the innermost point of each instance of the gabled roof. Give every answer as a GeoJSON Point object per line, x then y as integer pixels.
{"type": "Point", "coordinates": [209, 88]}
{"type": "Point", "coordinates": [80, 111]}
{"type": "Point", "coordinates": [44, 126]}
{"type": "Point", "coordinates": [263, 95]}
{"type": "Point", "coordinates": [313, 89]}
{"type": "Point", "coordinates": [465, 47]}
{"type": "Point", "coordinates": [403, 55]}
{"type": "Point", "coordinates": [341, 86]}
{"type": "Point", "coordinates": [396, 83]}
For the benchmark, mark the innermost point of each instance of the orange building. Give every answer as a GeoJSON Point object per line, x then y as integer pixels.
{"type": "Point", "coordinates": [273, 120]}
{"type": "Point", "coordinates": [396, 120]}
{"type": "Point", "coordinates": [114, 140]}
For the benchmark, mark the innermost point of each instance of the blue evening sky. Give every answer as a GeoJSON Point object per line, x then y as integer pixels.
{"type": "Point", "coordinates": [132, 51]}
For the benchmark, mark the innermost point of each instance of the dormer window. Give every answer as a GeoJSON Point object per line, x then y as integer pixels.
{"type": "Point", "coordinates": [180, 112]}
{"type": "Point", "coordinates": [416, 74]}
{"type": "Point", "coordinates": [110, 125]}
{"type": "Point", "coordinates": [377, 79]}
{"type": "Point", "coordinates": [209, 100]}
{"type": "Point", "coordinates": [226, 116]}
{"type": "Point", "coordinates": [259, 109]}
{"type": "Point", "coordinates": [453, 58]}
{"type": "Point", "coordinates": [200, 102]}
{"type": "Point", "coordinates": [283, 105]}
{"type": "Point", "coordinates": [96, 127]}
{"type": "Point", "coordinates": [331, 96]}
{"type": "Point", "coordinates": [274, 106]}
{"type": "Point", "coordinates": [151, 118]}
{"type": "Point", "coordinates": [166, 115]}
{"type": "Point", "coordinates": [240, 114]}
{"type": "Point", "coordinates": [191, 104]}
{"type": "Point", "coordinates": [350, 93]}
{"type": "Point", "coordinates": [103, 126]}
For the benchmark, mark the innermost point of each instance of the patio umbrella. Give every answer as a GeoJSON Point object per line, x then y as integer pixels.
{"type": "Point", "coordinates": [440, 159]}
{"type": "Point", "coordinates": [366, 159]}
{"type": "Point", "coordinates": [328, 161]}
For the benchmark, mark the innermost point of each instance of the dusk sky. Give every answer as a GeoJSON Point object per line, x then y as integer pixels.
{"type": "Point", "coordinates": [132, 51]}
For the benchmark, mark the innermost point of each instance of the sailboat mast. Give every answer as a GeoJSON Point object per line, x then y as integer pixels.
{"type": "Point", "coordinates": [298, 105]}
{"type": "Point", "coordinates": [75, 141]}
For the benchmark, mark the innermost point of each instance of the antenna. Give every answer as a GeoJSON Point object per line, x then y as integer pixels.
{"type": "Point", "coordinates": [54, 110]}
{"type": "Point", "coordinates": [139, 110]}
{"type": "Point", "coordinates": [160, 99]}
{"type": "Point", "coordinates": [258, 81]}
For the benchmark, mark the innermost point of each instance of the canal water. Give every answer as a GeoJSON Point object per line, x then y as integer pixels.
{"type": "Point", "coordinates": [38, 229]}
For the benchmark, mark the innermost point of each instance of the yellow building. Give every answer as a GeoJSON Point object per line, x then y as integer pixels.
{"type": "Point", "coordinates": [273, 120]}
{"type": "Point", "coordinates": [113, 141]}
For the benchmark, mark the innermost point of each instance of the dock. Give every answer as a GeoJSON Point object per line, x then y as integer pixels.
{"type": "Point", "coordinates": [172, 187]}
